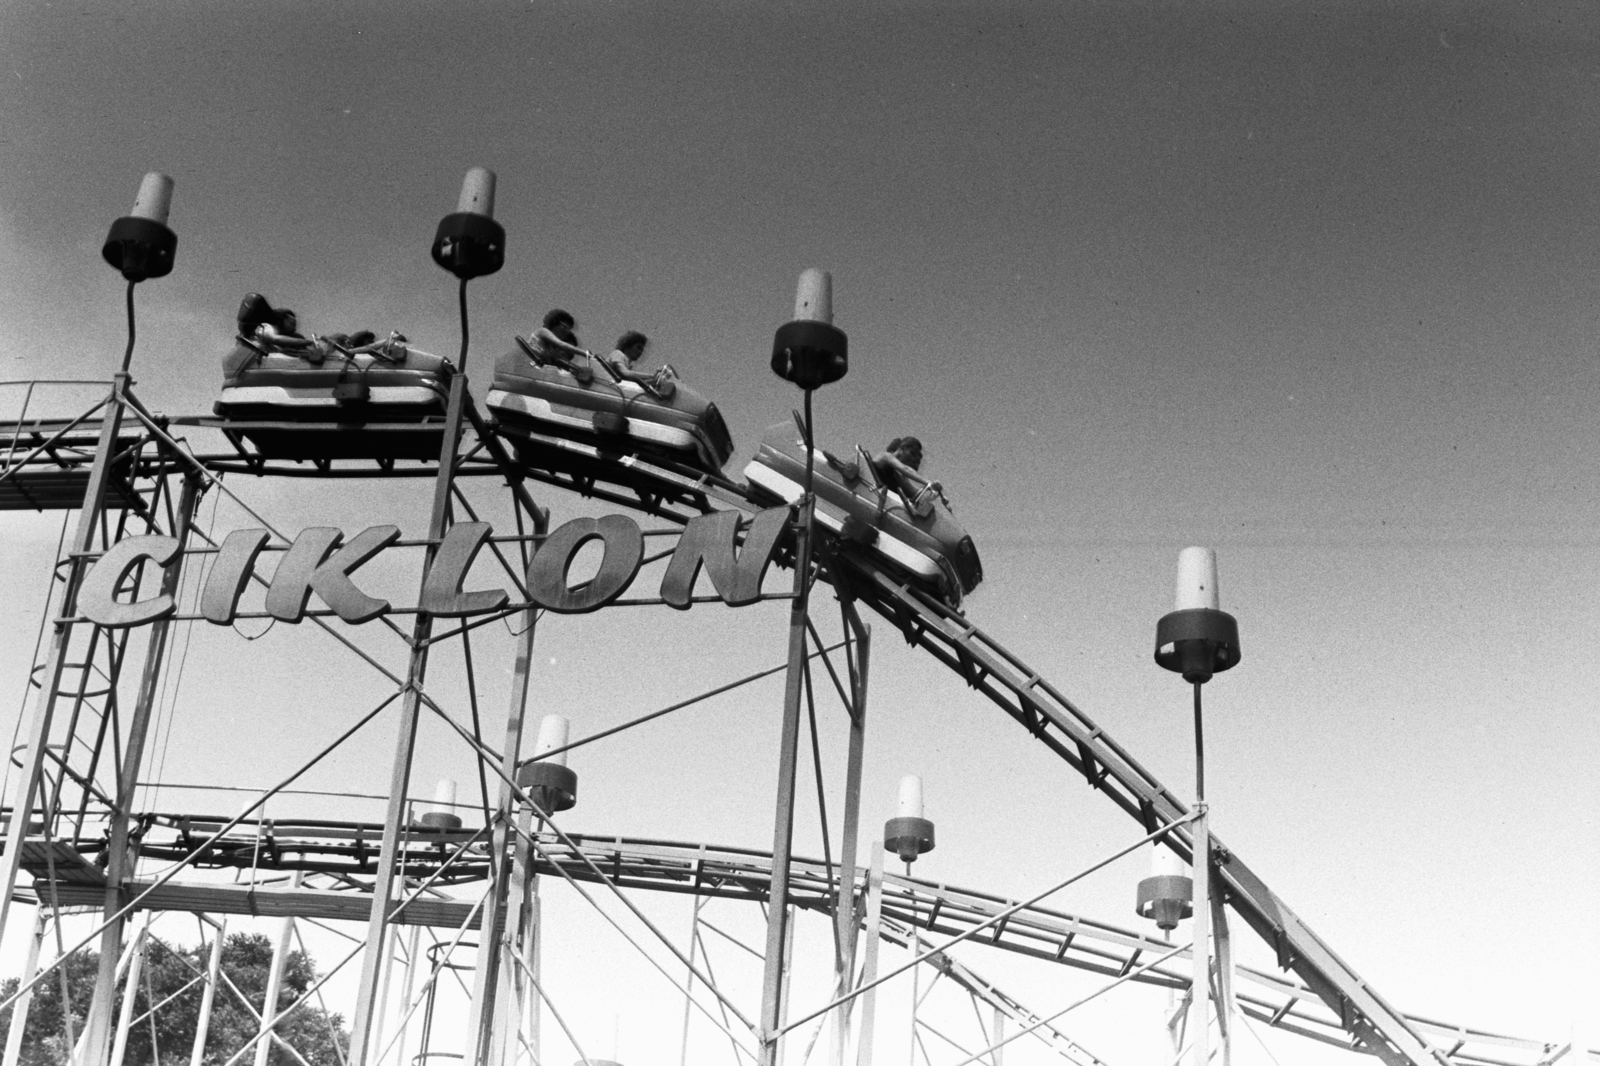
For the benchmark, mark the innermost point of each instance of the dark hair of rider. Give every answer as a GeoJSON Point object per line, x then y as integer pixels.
{"type": "Point", "coordinates": [904, 443]}
{"type": "Point", "coordinates": [557, 317]}
{"type": "Point", "coordinates": [630, 339]}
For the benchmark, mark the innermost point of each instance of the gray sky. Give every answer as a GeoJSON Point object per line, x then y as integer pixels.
{"type": "Point", "coordinates": [1313, 285]}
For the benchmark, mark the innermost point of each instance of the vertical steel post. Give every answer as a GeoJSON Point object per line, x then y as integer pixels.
{"type": "Point", "coordinates": [845, 920]}
{"type": "Point", "coordinates": [19, 1009]}
{"type": "Point", "coordinates": [869, 966]}
{"type": "Point", "coordinates": [121, 859]}
{"type": "Point", "coordinates": [688, 986]}
{"type": "Point", "coordinates": [1201, 1004]}
{"type": "Point", "coordinates": [916, 990]}
{"type": "Point", "coordinates": [488, 969]}
{"type": "Point", "coordinates": [788, 970]}
{"type": "Point", "coordinates": [533, 947]}
{"type": "Point", "coordinates": [405, 742]}
{"type": "Point", "coordinates": [413, 946]}
{"type": "Point", "coordinates": [208, 998]}
{"type": "Point", "coordinates": [269, 999]}
{"type": "Point", "coordinates": [26, 788]}
{"type": "Point", "coordinates": [999, 1037]}
{"type": "Point", "coordinates": [788, 747]}
{"type": "Point", "coordinates": [521, 920]}
{"type": "Point", "coordinates": [1224, 971]}
{"type": "Point", "coordinates": [381, 1012]}
{"type": "Point", "coordinates": [130, 993]}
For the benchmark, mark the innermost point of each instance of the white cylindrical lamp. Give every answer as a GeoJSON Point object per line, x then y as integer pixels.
{"type": "Point", "coordinates": [908, 834]}
{"type": "Point", "coordinates": [548, 781]}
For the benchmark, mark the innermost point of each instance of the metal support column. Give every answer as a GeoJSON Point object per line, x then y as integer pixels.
{"type": "Point", "coordinates": [489, 971]}
{"type": "Point", "coordinates": [130, 993]}
{"type": "Point", "coordinates": [405, 743]}
{"type": "Point", "coordinates": [1224, 974]}
{"type": "Point", "coordinates": [208, 998]}
{"type": "Point", "coordinates": [846, 922]}
{"type": "Point", "coordinates": [269, 999]}
{"type": "Point", "coordinates": [26, 788]}
{"type": "Point", "coordinates": [869, 966]}
{"type": "Point", "coordinates": [19, 1010]}
{"type": "Point", "coordinates": [1201, 986]}
{"type": "Point", "coordinates": [688, 983]}
{"type": "Point", "coordinates": [122, 859]}
{"type": "Point", "coordinates": [788, 748]}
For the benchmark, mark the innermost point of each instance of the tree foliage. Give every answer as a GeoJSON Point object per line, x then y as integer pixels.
{"type": "Point", "coordinates": [169, 1033]}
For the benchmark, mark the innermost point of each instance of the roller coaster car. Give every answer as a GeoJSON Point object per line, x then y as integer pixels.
{"type": "Point", "coordinates": [386, 385]}
{"type": "Point", "coordinates": [921, 541]}
{"type": "Point", "coordinates": [665, 418]}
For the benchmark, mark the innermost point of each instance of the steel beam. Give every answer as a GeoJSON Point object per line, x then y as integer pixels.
{"type": "Point", "coordinates": [788, 748]}
{"type": "Point", "coordinates": [26, 788]}
{"type": "Point", "coordinates": [488, 972]}
{"type": "Point", "coordinates": [121, 859]}
{"type": "Point", "coordinates": [405, 741]}
{"type": "Point", "coordinates": [846, 922]}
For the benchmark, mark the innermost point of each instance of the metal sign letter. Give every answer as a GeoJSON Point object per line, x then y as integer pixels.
{"type": "Point", "coordinates": [97, 598]}
{"type": "Point", "coordinates": [736, 575]}
{"type": "Point", "coordinates": [547, 574]}
{"type": "Point", "coordinates": [441, 592]}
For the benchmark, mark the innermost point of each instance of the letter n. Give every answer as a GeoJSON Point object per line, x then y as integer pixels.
{"type": "Point", "coordinates": [710, 540]}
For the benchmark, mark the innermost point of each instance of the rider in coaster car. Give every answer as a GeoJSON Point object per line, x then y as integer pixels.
{"type": "Point", "coordinates": [556, 342]}
{"type": "Point", "coordinates": [897, 467]}
{"type": "Point", "coordinates": [280, 328]}
{"type": "Point", "coordinates": [630, 349]}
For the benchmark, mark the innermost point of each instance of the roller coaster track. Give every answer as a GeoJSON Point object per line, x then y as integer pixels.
{"type": "Point", "coordinates": [1052, 719]}
{"type": "Point", "coordinates": [678, 493]}
{"type": "Point", "coordinates": [336, 853]}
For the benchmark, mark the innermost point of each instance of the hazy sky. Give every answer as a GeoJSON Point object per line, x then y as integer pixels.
{"type": "Point", "coordinates": [1315, 285]}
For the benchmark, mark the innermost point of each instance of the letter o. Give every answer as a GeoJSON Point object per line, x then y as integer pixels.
{"type": "Point", "coordinates": [547, 574]}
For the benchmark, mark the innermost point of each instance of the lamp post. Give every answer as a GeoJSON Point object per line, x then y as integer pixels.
{"type": "Point", "coordinates": [908, 835]}
{"type": "Point", "coordinates": [1199, 640]}
{"type": "Point", "coordinates": [809, 351]}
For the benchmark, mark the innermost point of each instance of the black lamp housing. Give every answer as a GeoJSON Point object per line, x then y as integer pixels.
{"type": "Point", "coordinates": [140, 248]}
{"type": "Point", "coordinates": [469, 245]}
{"type": "Point", "coordinates": [1197, 643]}
{"type": "Point", "coordinates": [810, 354]}
{"type": "Point", "coordinates": [552, 786]}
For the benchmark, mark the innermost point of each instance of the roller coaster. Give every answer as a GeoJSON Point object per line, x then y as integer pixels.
{"type": "Point", "coordinates": [80, 826]}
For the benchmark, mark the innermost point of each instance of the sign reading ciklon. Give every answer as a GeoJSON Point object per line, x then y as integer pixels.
{"type": "Point", "coordinates": [320, 561]}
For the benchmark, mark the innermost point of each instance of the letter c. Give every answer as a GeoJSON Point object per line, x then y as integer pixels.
{"type": "Point", "coordinates": [97, 598]}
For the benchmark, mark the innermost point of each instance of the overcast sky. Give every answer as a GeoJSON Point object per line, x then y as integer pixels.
{"type": "Point", "coordinates": [1315, 285]}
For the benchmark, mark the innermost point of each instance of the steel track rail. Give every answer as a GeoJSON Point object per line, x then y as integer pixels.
{"type": "Point", "coordinates": [346, 850]}
{"type": "Point", "coordinates": [984, 664]}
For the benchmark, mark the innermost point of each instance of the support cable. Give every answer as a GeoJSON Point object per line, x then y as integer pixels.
{"type": "Point", "coordinates": [997, 918]}
{"type": "Point", "coordinates": [34, 665]}
{"type": "Point", "coordinates": [477, 734]}
{"type": "Point", "coordinates": [591, 738]}
{"type": "Point", "coordinates": [523, 797]}
{"type": "Point", "coordinates": [327, 1020]}
{"type": "Point", "coordinates": [1096, 994]}
{"type": "Point", "coordinates": [433, 978]}
{"type": "Point", "coordinates": [539, 849]}
{"type": "Point", "coordinates": [183, 863]}
{"type": "Point", "coordinates": [727, 1025]}
{"type": "Point", "coordinates": [268, 1026]}
{"type": "Point", "coordinates": [822, 803]}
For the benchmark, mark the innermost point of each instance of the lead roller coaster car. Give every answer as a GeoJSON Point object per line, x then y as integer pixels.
{"type": "Point", "coordinates": [275, 378]}
{"type": "Point", "coordinates": [664, 418]}
{"type": "Point", "coordinates": [918, 538]}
